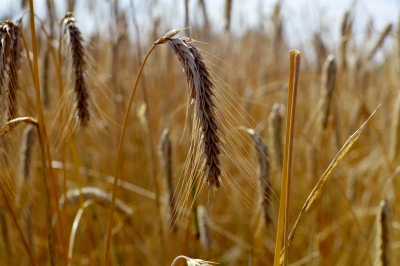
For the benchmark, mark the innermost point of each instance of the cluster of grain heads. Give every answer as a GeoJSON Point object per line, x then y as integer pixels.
{"type": "Point", "coordinates": [10, 53]}
{"type": "Point", "coordinates": [275, 135]}
{"type": "Point", "coordinates": [382, 235]}
{"type": "Point", "coordinates": [327, 88]}
{"type": "Point", "coordinates": [75, 57]}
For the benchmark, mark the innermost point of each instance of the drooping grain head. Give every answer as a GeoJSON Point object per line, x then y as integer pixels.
{"type": "Point", "coordinates": [75, 55]}
{"type": "Point", "coordinates": [95, 194]}
{"type": "Point", "coordinates": [10, 53]}
{"type": "Point", "coordinates": [206, 128]}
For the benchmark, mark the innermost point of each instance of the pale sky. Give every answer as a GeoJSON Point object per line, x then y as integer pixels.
{"type": "Point", "coordinates": [301, 17]}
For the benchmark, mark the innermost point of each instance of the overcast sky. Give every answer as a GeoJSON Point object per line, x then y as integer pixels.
{"type": "Point", "coordinates": [301, 17]}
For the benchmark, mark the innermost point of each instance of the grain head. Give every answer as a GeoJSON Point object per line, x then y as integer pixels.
{"type": "Point", "coordinates": [75, 56]}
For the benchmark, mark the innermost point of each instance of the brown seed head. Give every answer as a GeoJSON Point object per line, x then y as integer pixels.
{"type": "Point", "coordinates": [206, 120]}
{"type": "Point", "coordinates": [76, 57]}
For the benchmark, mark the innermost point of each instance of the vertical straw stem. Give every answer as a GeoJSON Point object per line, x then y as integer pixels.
{"type": "Point", "coordinates": [42, 138]}
{"type": "Point", "coordinates": [282, 231]}
{"type": "Point", "coordinates": [119, 159]}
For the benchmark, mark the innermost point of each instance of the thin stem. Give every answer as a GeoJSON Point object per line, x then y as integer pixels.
{"type": "Point", "coordinates": [44, 147]}
{"type": "Point", "coordinates": [119, 158]}
{"type": "Point", "coordinates": [287, 160]}
{"type": "Point", "coordinates": [77, 219]}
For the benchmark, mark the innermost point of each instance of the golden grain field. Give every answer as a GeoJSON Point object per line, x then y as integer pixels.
{"type": "Point", "coordinates": [135, 146]}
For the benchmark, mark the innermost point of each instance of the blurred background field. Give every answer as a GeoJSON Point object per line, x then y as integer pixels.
{"type": "Point", "coordinates": [247, 49]}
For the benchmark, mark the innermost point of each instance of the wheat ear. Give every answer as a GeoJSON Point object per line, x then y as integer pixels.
{"type": "Point", "coordinates": [275, 135]}
{"type": "Point", "coordinates": [328, 85]}
{"type": "Point", "coordinates": [10, 51]}
{"type": "Point", "coordinates": [164, 151]}
{"type": "Point", "coordinates": [202, 219]}
{"type": "Point", "coordinates": [264, 171]}
{"type": "Point", "coordinates": [77, 58]}
{"type": "Point", "coordinates": [382, 234]}
{"type": "Point", "coordinates": [26, 151]}
{"type": "Point", "coordinates": [206, 120]}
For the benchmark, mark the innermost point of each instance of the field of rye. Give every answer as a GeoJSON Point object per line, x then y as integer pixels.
{"type": "Point", "coordinates": [192, 146]}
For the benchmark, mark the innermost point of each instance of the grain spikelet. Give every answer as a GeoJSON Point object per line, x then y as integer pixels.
{"type": "Point", "coordinates": [166, 162]}
{"type": "Point", "coordinates": [202, 219]}
{"type": "Point", "coordinates": [96, 194]}
{"type": "Point", "coordinates": [76, 60]}
{"type": "Point", "coordinates": [328, 85]}
{"type": "Point", "coordinates": [10, 50]}
{"type": "Point", "coordinates": [275, 135]}
{"type": "Point", "coordinates": [26, 151]}
{"type": "Point", "coordinates": [382, 242]}
{"type": "Point", "coordinates": [215, 137]}
{"type": "Point", "coordinates": [263, 175]}
{"type": "Point", "coordinates": [201, 94]}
